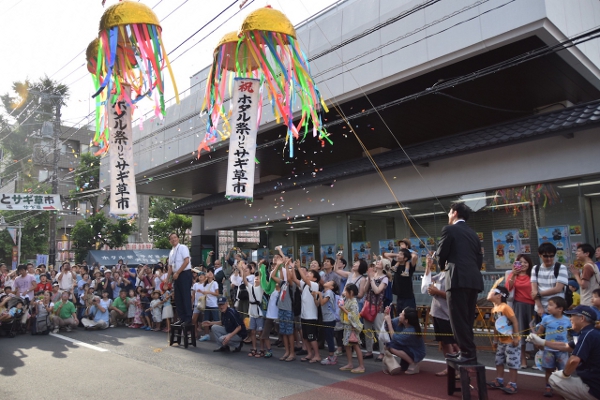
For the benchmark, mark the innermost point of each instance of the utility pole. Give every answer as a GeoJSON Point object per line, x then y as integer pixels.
{"type": "Point", "coordinates": [53, 214]}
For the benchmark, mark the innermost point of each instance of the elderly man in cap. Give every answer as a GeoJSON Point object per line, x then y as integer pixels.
{"type": "Point", "coordinates": [106, 283]}
{"type": "Point", "coordinates": [584, 360]}
{"type": "Point", "coordinates": [230, 330]}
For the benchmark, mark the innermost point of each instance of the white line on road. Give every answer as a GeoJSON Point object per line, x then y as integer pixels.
{"type": "Point", "coordinates": [78, 342]}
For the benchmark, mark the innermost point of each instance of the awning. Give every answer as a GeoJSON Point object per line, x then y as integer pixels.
{"type": "Point", "coordinates": [131, 257]}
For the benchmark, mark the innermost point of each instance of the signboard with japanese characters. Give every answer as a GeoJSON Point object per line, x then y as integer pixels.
{"type": "Point", "coordinates": [242, 142]}
{"type": "Point", "coordinates": [27, 201]}
{"type": "Point", "coordinates": [123, 196]}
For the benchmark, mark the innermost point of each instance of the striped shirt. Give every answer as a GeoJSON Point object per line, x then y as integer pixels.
{"type": "Point", "coordinates": [546, 280]}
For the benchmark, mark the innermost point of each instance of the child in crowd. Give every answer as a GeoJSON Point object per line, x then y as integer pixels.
{"type": "Point", "coordinates": [327, 301]}
{"type": "Point", "coordinates": [555, 325]}
{"type": "Point", "coordinates": [574, 286]}
{"type": "Point", "coordinates": [16, 311]}
{"type": "Point", "coordinates": [270, 317]}
{"type": "Point", "coordinates": [138, 319]}
{"type": "Point", "coordinates": [257, 319]}
{"type": "Point", "coordinates": [352, 329]}
{"type": "Point", "coordinates": [167, 309]}
{"type": "Point", "coordinates": [156, 310]}
{"type": "Point", "coordinates": [507, 345]}
{"type": "Point", "coordinates": [284, 304]}
{"type": "Point", "coordinates": [146, 314]}
{"type": "Point", "coordinates": [131, 307]}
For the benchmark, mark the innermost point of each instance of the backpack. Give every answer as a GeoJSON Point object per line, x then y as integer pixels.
{"type": "Point", "coordinates": [567, 291]}
{"type": "Point", "coordinates": [388, 297]}
{"type": "Point", "coordinates": [297, 302]}
{"type": "Point", "coordinates": [336, 307]}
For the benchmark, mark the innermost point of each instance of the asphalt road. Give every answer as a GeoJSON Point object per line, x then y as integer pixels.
{"type": "Point", "coordinates": [135, 364]}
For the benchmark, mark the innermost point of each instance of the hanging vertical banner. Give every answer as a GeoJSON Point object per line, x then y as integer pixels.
{"type": "Point", "coordinates": [242, 142]}
{"type": "Point", "coordinates": [123, 197]}
{"type": "Point", "coordinates": [13, 234]}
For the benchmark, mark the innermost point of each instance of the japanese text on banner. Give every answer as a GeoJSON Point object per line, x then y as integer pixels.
{"type": "Point", "coordinates": [26, 201]}
{"type": "Point", "coordinates": [123, 197]}
{"type": "Point", "coordinates": [242, 142]}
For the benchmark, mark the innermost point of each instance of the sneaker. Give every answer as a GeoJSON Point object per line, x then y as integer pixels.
{"type": "Point", "coordinates": [548, 392]}
{"type": "Point", "coordinates": [204, 338]}
{"type": "Point", "coordinates": [331, 360]}
{"type": "Point", "coordinates": [112, 326]}
{"type": "Point", "coordinates": [68, 329]}
{"type": "Point", "coordinates": [496, 384]}
{"type": "Point", "coordinates": [404, 274]}
{"type": "Point", "coordinates": [55, 330]}
{"type": "Point", "coordinates": [338, 353]}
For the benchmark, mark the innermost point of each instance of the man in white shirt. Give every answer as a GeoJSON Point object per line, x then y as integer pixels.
{"type": "Point", "coordinates": [179, 262]}
{"type": "Point", "coordinates": [66, 277]}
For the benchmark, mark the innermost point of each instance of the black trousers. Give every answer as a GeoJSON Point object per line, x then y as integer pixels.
{"type": "Point", "coordinates": [462, 305]}
{"type": "Point", "coordinates": [183, 295]}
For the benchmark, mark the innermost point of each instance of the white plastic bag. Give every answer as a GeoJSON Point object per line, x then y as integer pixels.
{"type": "Point", "coordinates": [384, 336]}
{"type": "Point", "coordinates": [425, 283]}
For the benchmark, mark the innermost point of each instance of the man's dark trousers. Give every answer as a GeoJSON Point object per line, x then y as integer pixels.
{"type": "Point", "coordinates": [463, 302]}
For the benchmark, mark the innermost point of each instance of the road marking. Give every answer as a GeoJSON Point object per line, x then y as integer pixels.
{"type": "Point", "coordinates": [78, 342]}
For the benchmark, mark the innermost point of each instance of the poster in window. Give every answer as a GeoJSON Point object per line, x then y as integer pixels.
{"type": "Point", "coordinates": [506, 245]}
{"type": "Point", "coordinates": [328, 250]}
{"type": "Point", "coordinates": [559, 236]}
{"type": "Point", "coordinates": [288, 251]}
{"type": "Point", "coordinates": [307, 254]}
{"type": "Point", "coordinates": [361, 251]}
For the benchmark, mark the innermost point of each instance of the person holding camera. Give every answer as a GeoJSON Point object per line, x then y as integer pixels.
{"type": "Point", "coordinates": [97, 316]}
{"type": "Point", "coordinates": [66, 278]}
{"type": "Point", "coordinates": [65, 314]}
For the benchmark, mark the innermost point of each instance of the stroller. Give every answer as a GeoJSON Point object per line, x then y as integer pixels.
{"type": "Point", "coordinates": [40, 320]}
{"type": "Point", "coordinates": [11, 327]}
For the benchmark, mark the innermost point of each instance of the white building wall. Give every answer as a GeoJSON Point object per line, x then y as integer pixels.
{"type": "Point", "coordinates": [395, 53]}
{"type": "Point", "coordinates": [531, 162]}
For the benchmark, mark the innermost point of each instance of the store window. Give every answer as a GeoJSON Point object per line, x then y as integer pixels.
{"type": "Point", "coordinates": [508, 221]}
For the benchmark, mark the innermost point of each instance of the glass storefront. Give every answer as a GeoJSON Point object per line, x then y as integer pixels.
{"type": "Point", "coordinates": [509, 221]}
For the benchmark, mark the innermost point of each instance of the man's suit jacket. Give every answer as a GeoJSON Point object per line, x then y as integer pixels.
{"type": "Point", "coordinates": [459, 251]}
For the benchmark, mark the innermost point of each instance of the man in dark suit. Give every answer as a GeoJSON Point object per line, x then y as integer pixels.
{"type": "Point", "coordinates": [459, 253]}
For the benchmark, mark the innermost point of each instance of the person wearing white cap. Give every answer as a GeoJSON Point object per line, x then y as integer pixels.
{"type": "Point", "coordinates": [584, 360]}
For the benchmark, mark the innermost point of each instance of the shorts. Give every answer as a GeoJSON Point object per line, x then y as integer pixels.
{"type": "Point", "coordinates": [509, 355]}
{"type": "Point", "coordinates": [267, 328]}
{"type": "Point", "coordinates": [211, 314]}
{"type": "Point", "coordinates": [257, 323]}
{"type": "Point", "coordinates": [297, 324]}
{"type": "Point", "coordinates": [286, 322]}
{"type": "Point", "coordinates": [554, 359]}
{"type": "Point", "coordinates": [310, 330]}
{"type": "Point", "coordinates": [443, 331]}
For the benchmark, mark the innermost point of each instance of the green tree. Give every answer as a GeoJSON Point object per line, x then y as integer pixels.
{"type": "Point", "coordinates": [160, 230]}
{"type": "Point", "coordinates": [98, 230]}
{"type": "Point", "coordinates": [87, 180]}
{"type": "Point", "coordinates": [161, 207]}
{"type": "Point", "coordinates": [35, 234]}
{"type": "Point", "coordinates": [26, 109]}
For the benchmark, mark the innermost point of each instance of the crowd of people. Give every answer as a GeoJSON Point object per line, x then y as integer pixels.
{"type": "Point", "coordinates": [342, 308]}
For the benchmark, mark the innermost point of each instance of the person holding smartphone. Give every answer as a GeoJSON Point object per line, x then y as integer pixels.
{"type": "Point", "coordinates": [519, 280]}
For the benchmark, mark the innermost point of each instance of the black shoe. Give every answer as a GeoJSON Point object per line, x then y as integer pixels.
{"type": "Point", "coordinates": [222, 349]}
{"type": "Point", "coordinates": [453, 355]}
{"type": "Point", "coordinates": [301, 353]}
{"type": "Point", "coordinates": [187, 323]}
{"type": "Point", "coordinates": [239, 348]}
{"type": "Point", "coordinates": [297, 349]}
{"type": "Point", "coordinates": [365, 357]}
{"type": "Point", "coordinates": [177, 323]}
{"type": "Point", "coordinates": [465, 360]}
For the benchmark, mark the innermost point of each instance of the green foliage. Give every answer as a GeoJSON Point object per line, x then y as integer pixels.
{"type": "Point", "coordinates": [159, 232]}
{"type": "Point", "coordinates": [161, 207]}
{"type": "Point", "coordinates": [87, 178]}
{"type": "Point", "coordinates": [30, 104]}
{"type": "Point", "coordinates": [98, 230]}
{"type": "Point", "coordinates": [35, 234]}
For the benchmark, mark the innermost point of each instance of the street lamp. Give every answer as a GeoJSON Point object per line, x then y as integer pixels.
{"type": "Point", "coordinates": [3, 226]}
